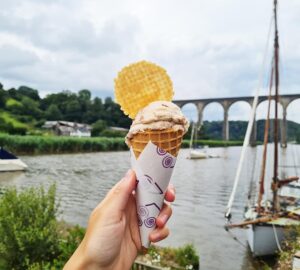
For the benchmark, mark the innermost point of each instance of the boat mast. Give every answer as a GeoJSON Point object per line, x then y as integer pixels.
{"type": "Point", "coordinates": [266, 136]}
{"type": "Point", "coordinates": [276, 58]}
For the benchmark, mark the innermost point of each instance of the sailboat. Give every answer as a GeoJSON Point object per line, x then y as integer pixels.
{"type": "Point", "coordinates": [198, 153]}
{"type": "Point", "coordinates": [195, 153]}
{"type": "Point", "coordinates": [10, 163]}
{"type": "Point", "coordinates": [267, 220]}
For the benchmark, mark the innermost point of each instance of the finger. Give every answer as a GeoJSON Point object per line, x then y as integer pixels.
{"type": "Point", "coordinates": [118, 196]}
{"type": "Point", "coordinates": [164, 216]}
{"type": "Point", "coordinates": [159, 234]}
{"type": "Point", "coordinates": [170, 193]}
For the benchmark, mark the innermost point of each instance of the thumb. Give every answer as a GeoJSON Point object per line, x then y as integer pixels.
{"type": "Point", "coordinates": [119, 195]}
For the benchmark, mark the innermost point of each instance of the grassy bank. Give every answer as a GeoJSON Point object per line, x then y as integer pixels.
{"type": "Point", "coordinates": [289, 249]}
{"type": "Point", "coordinates": [57, 145]}
{"type": "Point", "coordinates": [213, 143]}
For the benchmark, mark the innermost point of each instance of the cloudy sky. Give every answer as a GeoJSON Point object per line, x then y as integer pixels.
{"type": "Point", "coordinates": [210, 48]}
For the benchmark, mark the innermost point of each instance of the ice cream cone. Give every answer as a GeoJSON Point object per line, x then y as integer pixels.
{"type": "Point", "coordinates": [169, 140]}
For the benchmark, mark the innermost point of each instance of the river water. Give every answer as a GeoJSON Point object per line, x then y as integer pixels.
{"type": "Point", "coordinates": [202, 191]}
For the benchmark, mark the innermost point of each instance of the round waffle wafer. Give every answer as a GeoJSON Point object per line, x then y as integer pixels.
{"type": "Point", "coordinates": [141, 83]}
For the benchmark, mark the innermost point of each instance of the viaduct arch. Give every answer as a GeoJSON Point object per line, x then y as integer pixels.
{"type": "Point", "coordinates": [284, 100]}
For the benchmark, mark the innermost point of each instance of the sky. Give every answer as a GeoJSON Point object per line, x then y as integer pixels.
{"type": "Point", "coordinates": [210, 48]}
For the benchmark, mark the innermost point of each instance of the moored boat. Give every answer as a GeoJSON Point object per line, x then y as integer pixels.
{"type": "Point", "coordinates": [9, 162]}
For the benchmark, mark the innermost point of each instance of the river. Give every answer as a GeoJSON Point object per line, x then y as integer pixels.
{"type": "Point", "coordinates": [202, 191]}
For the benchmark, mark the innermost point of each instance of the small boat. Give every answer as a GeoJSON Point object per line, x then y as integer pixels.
{"type": "Point", "coordinates": [196, 153]}
{"type": "Point", "coordinates": [9, 162]}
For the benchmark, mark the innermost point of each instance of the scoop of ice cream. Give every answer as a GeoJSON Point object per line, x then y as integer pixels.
{"type": "Point", "coordinates": [158, 115]}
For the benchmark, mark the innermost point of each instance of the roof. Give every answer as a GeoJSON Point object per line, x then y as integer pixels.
{"type": "Point", "coordinates": [51, 124]}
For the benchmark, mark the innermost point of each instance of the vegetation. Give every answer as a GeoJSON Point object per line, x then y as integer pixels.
{"type": "Point", "coordinates": [52, 144]}
{"type": "Point", "coordinates": [32, 238]}
{"type": "Point", "coordinates": [185, 257]}
{"type": "Point", "coordinates": [23, 110]}
{"type": "Point", "coordinates": [36, 144]}
{"type": "Point", "coordinates": [211, 143]}
{"type": "Point", "coordinates": [290, 247]}
{"type": "Point", "coordinates": [237, 130]}
{"type": "Point", "coordinates": [298, 137]}
{"type": "Point", "coordinates": [30, 235]}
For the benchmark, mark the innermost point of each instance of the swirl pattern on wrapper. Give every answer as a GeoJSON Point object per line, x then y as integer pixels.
{"type": "Point", "coordinates": [150, 222]}
{"type": "Point", "coordinates": [143, 211]}
{"type": "Point", "coordinates": [167, 162]}
{"type": "Point", "coordinates": [160, 151]}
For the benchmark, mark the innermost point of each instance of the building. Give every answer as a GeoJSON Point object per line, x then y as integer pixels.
{"type": "Point", "coordinates": [65, 128]}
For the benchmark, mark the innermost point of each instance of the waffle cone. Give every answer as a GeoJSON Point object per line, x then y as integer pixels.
{"type": "Point", "coordinates": [168, 140]}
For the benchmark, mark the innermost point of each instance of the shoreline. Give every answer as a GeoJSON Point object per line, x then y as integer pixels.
{"type": "Point", "coordinates": [46, 145]}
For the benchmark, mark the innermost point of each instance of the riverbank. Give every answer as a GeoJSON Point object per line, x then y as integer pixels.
{"type": "Point", "coordinates": [34, 145]}
{"type": "Point", "coordinates": [56, 240]}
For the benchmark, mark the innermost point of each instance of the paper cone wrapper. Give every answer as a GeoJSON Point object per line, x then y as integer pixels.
{"type": "Point", "coordinates": [153, 169]}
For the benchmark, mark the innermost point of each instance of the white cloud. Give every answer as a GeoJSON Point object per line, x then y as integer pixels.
{"type": "Point", "coordinates": [211, 48]}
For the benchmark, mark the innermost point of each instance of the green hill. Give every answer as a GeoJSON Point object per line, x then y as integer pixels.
{"type": "Point", "coordinates": [237, 130]}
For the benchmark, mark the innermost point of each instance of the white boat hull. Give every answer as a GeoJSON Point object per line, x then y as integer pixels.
{"type": "Point", "coordinates": [194, 154]}
{"type": "Point", "coordinates": [262, 239]}
{"type": "Point", "coordinates": [12, 165]}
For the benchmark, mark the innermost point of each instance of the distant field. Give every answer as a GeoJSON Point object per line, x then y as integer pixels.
{"type": "Point", "coordinates": [57, 145]}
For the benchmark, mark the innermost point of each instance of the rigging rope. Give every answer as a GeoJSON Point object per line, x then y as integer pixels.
{"type": "Point", "coordinates": [234, 237]}
{"type": "Point", "coordinates": [249, 129]}
{"type": "Point", "coordinates": [276, 238]}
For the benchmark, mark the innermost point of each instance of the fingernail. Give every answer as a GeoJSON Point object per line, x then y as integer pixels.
{"type": "Point", "coordinates": [164, 219]}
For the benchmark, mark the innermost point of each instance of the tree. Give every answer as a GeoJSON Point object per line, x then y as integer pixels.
{"type": "Point", "coordinates": [2, 97]}
{"type": "Point", "coordinates": [53, 113]}
{"type": "Point", "coordinates": [84, 94]}
{"type": "Point", "coordinates": [29, 92]}
{"type": "Point", "coordinates": [73, 111]}
{"type": "Point", "coordinates": [30, 107]}
{"type": "Point", "coordinates": [13, 93]}
{"type": "Point", "coordinates": [98, 127]}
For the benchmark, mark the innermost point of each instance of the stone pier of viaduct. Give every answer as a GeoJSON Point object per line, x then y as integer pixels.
{"type": "Point", "coordinates": [284, 100]}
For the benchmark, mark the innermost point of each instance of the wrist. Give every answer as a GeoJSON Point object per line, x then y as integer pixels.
{"type": "Point", "coordinates": [81, 261]}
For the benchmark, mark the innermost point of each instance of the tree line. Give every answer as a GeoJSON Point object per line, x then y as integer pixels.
{"type": "Point", "coordinates": [25, 105]}
{"type": "Point", "coordinates": [23, 109]}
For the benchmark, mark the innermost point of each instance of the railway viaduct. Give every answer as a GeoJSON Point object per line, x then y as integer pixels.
{"type": "Point", "coordinates": [284, 100]}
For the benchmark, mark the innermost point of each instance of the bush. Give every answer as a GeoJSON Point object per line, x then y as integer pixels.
{"type": "Point", "coordinates": [113, 133]}
{"type": "Point", "coordinates": [28, 227]}
{"type": "Point", "coordinates": [98, 127]}
{"type": "Point", "coordinates": [184, 257]}
{"type": "Point", "coordinates": [30, 236]}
